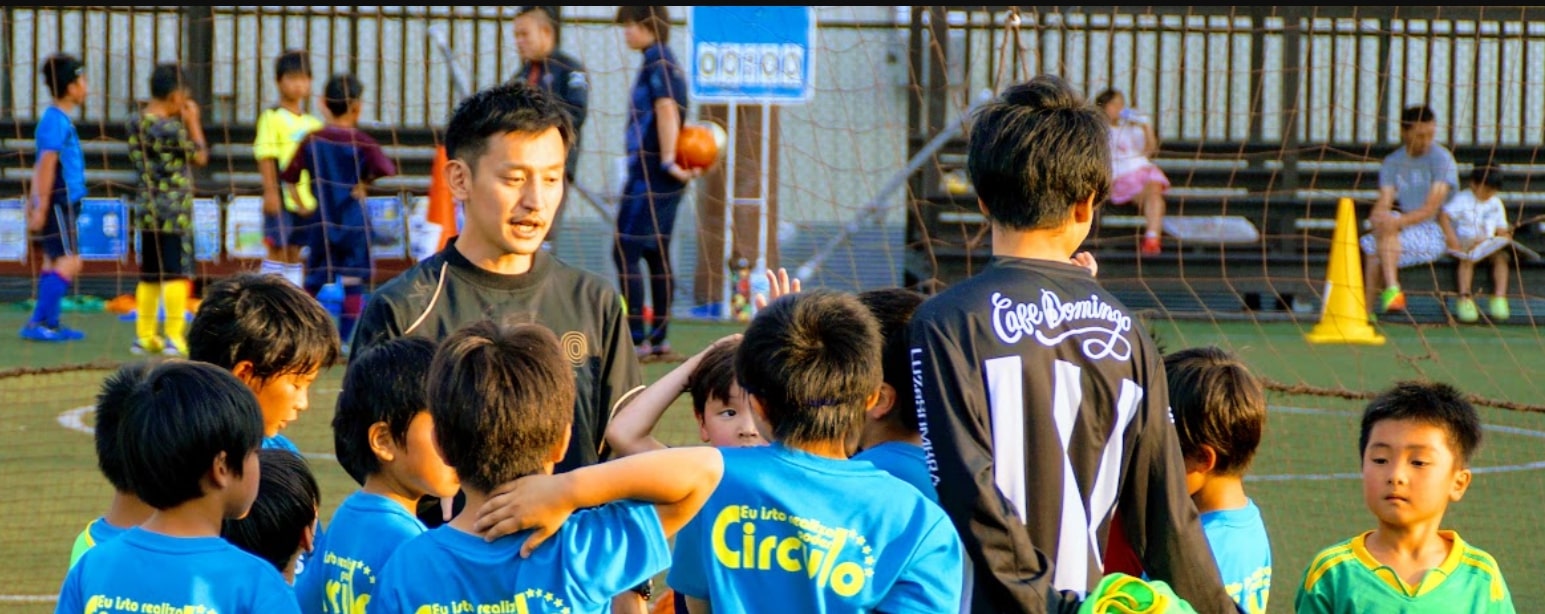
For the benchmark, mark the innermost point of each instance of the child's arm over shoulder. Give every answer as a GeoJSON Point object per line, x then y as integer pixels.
{"type": "Point", "coordinates": [678, 481]}
{"type": "Point", "coordinates": [631, 431]}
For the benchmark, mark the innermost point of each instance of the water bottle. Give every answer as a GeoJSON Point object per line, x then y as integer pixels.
{"type": "Point", "coordinates": [331, 298]}
{"type": "Point", "coordinates": [1130, 114]}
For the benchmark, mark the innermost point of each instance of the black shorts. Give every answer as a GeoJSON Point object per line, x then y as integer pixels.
{"type": "Point", "coordinates": [165, 256]}
{"type": "Point", "coordinates": [58, 237]}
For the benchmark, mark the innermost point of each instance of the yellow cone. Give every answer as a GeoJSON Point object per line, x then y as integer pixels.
{"type": "Point", "coordinates": [1345, 318]}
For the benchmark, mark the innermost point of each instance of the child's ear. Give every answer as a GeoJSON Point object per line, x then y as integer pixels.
{"type": "Point", "coordinates": [308, 538]}
{"type": "Point", "coordinates": [220, 474]}
{"type": "Point", "coordinates": [562, 449]}
{"type": "Point", "coordinates": [1084, 211]}
{"type": "Point", "coordinates": [381, 441]}
{"type": "Point", "coordinates": [1203, 461]}
{"type": "Point", "coordinates": [1461, 484]}
{"type": "Point", "coordinates": [247, 373]}
{"type": "Point", "coordinates": [882, 402]}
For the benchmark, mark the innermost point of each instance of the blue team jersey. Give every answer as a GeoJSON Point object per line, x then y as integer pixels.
{"type": "Point", "coordinates": [906, 461]}
{"type": "Point", "coordinates": [597, 554]}
{"type": "Point", "coordinates": [659, 77]}
{"type": "Point", "coordinates": [788, 531]}
{"type": "Point", "coordinates": [1238, 539]}
{"type": "Point", "coordinates": [346, 566]}
{"type": "Point", "coordinates": [280, 442]}
{"type": "Point", "coordinates": [141, 571]}
{"type": "Point", "coordinates": [56, 133]}
{"type": "Point", "coordinates": [96, 532]}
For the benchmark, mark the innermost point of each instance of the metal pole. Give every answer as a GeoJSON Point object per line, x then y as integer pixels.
{"type": "Point", "coordinates": [729, 208]}
{"type": "Point", "coordinates": [764, 193]}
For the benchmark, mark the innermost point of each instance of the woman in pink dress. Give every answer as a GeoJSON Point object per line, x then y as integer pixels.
{"type": "Point", "coordinates": [1136, 179]}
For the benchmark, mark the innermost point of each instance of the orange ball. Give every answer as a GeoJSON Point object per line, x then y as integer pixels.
{"type": "Point", "coordinates": [697, 147]}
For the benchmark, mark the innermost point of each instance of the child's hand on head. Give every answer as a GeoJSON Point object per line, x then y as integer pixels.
{"type": "Point", "coordinates": [537, 502]}
{"type": "Point", "coordinates": [778, 284]}
{"type": "Point", "coordinates": [1086, 260]}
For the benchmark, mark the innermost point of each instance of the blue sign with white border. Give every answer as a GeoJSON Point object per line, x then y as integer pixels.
{"type": "Point", "coordinates": [13, 230]}
{"type": "Point", "coordinates": [752, 54]}
{"type": "Point", "coordinates": [102, 229]}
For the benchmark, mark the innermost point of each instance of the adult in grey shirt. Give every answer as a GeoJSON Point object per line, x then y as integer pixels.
{"type": "Point", "coordinates": [1414, 183]}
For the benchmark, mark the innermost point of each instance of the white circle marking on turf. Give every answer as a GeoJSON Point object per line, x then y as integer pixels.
{"type": "Point", "coordinates": [1497, 428]}
{"type": "Point", "coordinates": [75, 420]}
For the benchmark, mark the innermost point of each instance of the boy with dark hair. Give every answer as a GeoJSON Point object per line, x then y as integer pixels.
{"type": "Point", "coordinates": [165, 142]}
{"type": "Point", "coordinates": [1416, 443]}
{"type": "Point", "coordinates": [1220, 414]}
{"type": "Point", "coordinates": [384, 437]}
{"type": "Point", "coordinates": [280, 129]}
{"type": "Point", "coordinates": [126, 510]}
{"type": "Point", "coordinates": [192, 432]}
{"type": "Point", "coordinates": [280, 526]}
{"type": "Point", "coordinates": [1031, 375]}
{"type": "Point", "coordinates": [1471, 217]}
{"type": "Point", "coordinates": [343, 161]}
{"type": "Point", "coordinates": [502, 398]}
{"type": "Point", "coordinates": [58, 185]}
{"type": "Point", "coordinates": [271, 336]}
{"type": "Point", "coordinates": [655, 184]}
{"type": "Point", "coordinates": [718, 404]}
{"type": "Point", "coordinates": [890, 438]}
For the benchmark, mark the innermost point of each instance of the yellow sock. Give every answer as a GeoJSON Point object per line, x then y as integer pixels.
{"type": "Point", "coordinates": [175, 295]}
{"type": "Point", "coordinates": [146, 296]}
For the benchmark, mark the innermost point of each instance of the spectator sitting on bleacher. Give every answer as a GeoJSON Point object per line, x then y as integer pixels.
{"type": "Point", "coordinates": [1414, 183]}
{"type": "Point", "coordinates": [1135, 178]}
{"type": "Point", "coordinates": [1470, 218]}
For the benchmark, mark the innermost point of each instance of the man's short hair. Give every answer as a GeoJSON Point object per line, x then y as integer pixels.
{"type": "Point", "coordinates": [893, 309]}
{"type": "Point", "coordinates": [656, 19]}
{"type": "Point", "coordinates": [1488, 175]}
{"type": "Point", "coordinates": [810, 359]}
{"type": "Point", "coordinates": [177, 422]}
{"type": "Point", "coordinates": [1419, 114]}
{"type": "Point", "coordinates": [510, 107]}
{"type": "Point", "coordinates": [341, 92]}
{"type": "Point", "coordinates": [292, 62]}
{"type": "Point", "coordinates": [384, 384]}
{"type": "Point", "coordinates": [1035, 152]}
{"type": "Point", "coordinates": [713, 377]}
{"type": "Point", "coordinates": [166, 79]}
{"type": "Point", "coordinates": [59, 71]}
{"type": "Point", "coordinates": [1432, 403]}
{"type": "Point", "coordinates": [502, 398]}
{"type": "Point", "coordinates": [1217, 402]}
{"type": "Point", "coordinates": [112, 401]}
{"type": "Point", "coordinates": [263, 319]}
{"type": "Point", "coordinates": [286, 505]}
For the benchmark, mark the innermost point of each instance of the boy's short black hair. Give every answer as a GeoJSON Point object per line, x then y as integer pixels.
{"type": "Point", "coordinates": [713, 377]}
{"type": "Point", "coordinates": [166, 79]}
{"type": "Point", "coordinates": [1433, 403]}
{"type": "Point", "coordinates": [59, 71]}
{"type": "Point", "coordinates": [1037, 150]}
{"type": "Point", "coordinates": [1105, 96]}
{"type": "Point", "coordinates": [655, 18]}
{"type": "Point", "coordinates": [1417, 114]}
{"type": "Point", "coordinates": [177, 422]}
{"type": "Point", "coordinates": [341, 92]}
{"type": "Point", "coordinates": [384, 384]}
{"type": "Point", "coordinates": [893, 308]}
{"type": "Point", "coordinates": [1487, 175]}
{"type": "Point", "coordinates": [1216, 401]}
{"type": "Point", "coordinates": [263, 319]}
{"type": "Point", "coordinates": [502, 397]}
{"type": "Point", "coordinates": [286, 505]}
{"type": "Point", "coordinates": [510, 107]}
{"type": "Point", "coordinates": [112, 401]}
{"type": "Point", "coordinates": [292, 62]}
{"type": "Point", "coordinates": [809, 359]}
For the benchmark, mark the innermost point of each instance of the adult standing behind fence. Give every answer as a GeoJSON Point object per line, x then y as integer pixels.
{"type": "Point", "coordinates": [546, 67]}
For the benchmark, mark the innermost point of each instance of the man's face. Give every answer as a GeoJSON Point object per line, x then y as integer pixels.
{"type": "Point", "coordinates": [1419, 137]}
{"type": "Point", "coordinates": [533, 37]}
{"type": "Point", "coordinates": [512, 192]}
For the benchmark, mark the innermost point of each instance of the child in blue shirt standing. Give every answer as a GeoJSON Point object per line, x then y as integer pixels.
{"type": "Point", "coordinates": [58, 185]}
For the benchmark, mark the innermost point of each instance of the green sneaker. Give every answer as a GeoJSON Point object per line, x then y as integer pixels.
{"type": "Point", "coordinates": [1497, 307]}
{"type": "Point", "coordinates": [1465, 310]}
{"type": "Point", "coordinates": [1392, 299]}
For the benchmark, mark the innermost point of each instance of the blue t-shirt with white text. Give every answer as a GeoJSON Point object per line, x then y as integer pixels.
{"type": "Point", "coordinates": [820, 534]}
{"type": "Point", "coordinates": [56, 133]}
{"type": "Point", "coordinates": [1239, 544]}
{"type": "Point", "coordinates": [597, 554]}
{"type": "Point", "coordinates": [906, 461]}
{"type": "Point", "coordinates": [142, 571]}
{"type": "Point", "coordinates": [346, 565]}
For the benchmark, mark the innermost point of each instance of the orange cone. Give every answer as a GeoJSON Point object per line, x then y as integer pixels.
{"type": "Point", "coordinates": [1345, 318]}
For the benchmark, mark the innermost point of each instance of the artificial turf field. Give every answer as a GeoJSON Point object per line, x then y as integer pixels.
{"type": "Point", "coordinates": [1304, 477]}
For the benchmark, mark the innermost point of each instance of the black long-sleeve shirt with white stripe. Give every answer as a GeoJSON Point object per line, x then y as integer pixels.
{"type": "Point", "coordinates": [446, 291]}
{"type": "Point", "coordinates": [1044, 407]}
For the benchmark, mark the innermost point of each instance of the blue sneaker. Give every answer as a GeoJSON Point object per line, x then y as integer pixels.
{"type": "Point", "coordinates": [70, 334]}
{"type": "Point", "coordinates": [33, 331]}
{"type": "Point", "coordinates": [708, 311]}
